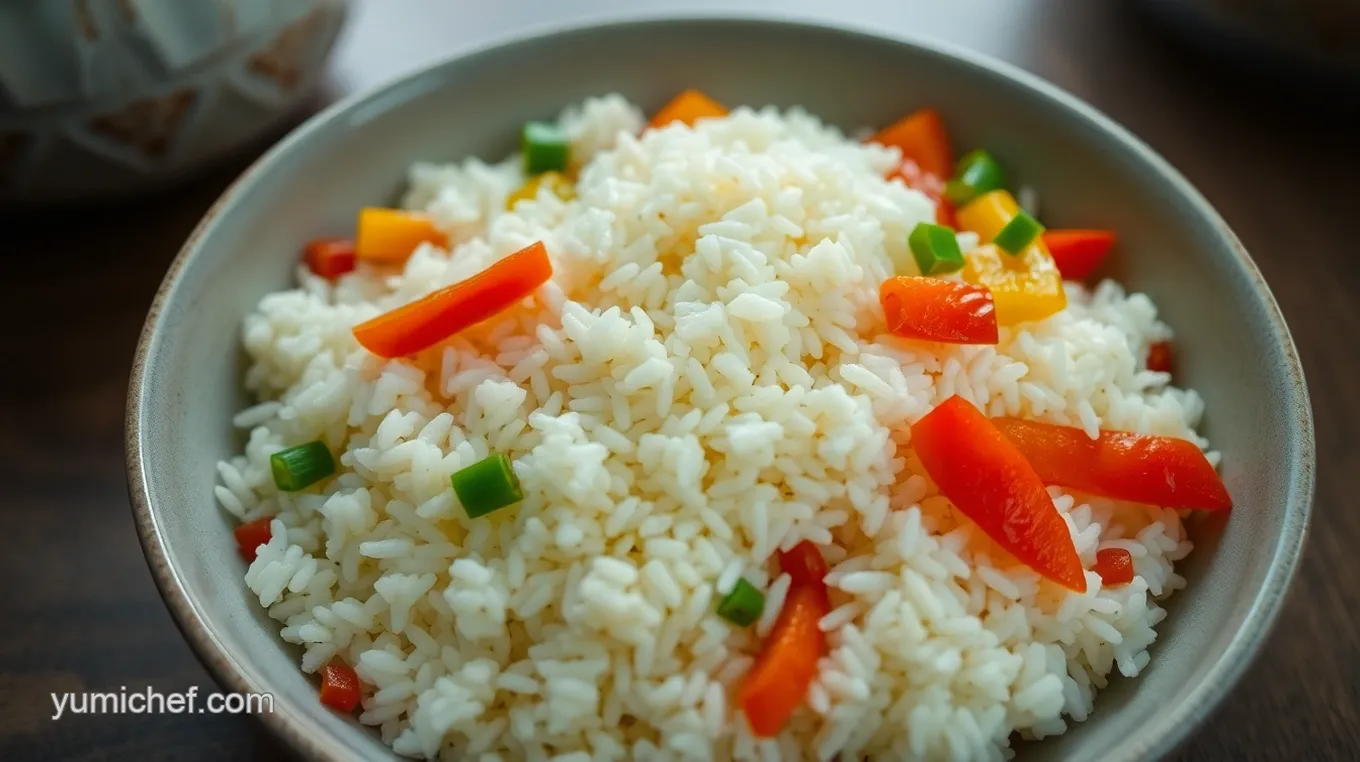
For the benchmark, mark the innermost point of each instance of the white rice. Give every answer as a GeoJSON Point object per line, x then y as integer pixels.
{"type": "Point", "coordinates": [702, 383]}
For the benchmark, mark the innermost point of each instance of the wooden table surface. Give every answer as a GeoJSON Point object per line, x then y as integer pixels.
{"type": "Point", "coordinates": [79, 609]}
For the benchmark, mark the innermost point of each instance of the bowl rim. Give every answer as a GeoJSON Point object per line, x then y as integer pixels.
{"type": "Point", "coordinates": [1159, 739]}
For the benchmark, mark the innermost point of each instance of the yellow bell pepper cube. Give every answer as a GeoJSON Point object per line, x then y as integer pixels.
{"type": "Point", "coordinates": [987, 214]}
{"type": "Point", "coordinates": [1021, 294]}
{"type": "Point", "coordinates": [558, 183]}
{"type": "Point", "coordinates": [1025, 287]}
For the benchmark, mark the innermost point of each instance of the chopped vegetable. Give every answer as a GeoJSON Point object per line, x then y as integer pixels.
{"type": "Point", "coordinates": [987, 214]}
{"type": "Point", "coordinates": [804, 564]}
{"type": "Point", "coordinates": [339, 686]}
{"type": "Point", "coordinates": [251, 535]}
{"type": "Point", "coordinates": [921, 137]}
{"type": "Point", "coordinates": [945, 214]}
{"type": "Point", "coordinates": [1114, 565]}
{"type": "Point", "coordinates": [390, 235]}
{"type": "Point", "coordinates": [938, 310]}
{"type": "Point", "coordinates": [688, 107]}
{"type": "Point", "coordinates": [546, 147]}
{"type": "Point", "coordinates": [1026, 287]}
{"type": "Point", "coordinates": [988, 479]}
{"type": "Point", "coordinates": [1018, 234]}
{"type": "Point", "coordinates": [1078, 252]}
{"type": "Point", "coordinates": [779, 680]}
{"type": "Point", "coordinates": [330, 257]}
{"type": "Point", "coordinates": [783, 671]}
{"type": "Point", "coordinates": [977, 173]}
{"type": "Point", "coordinates": [439, 315]}
{"type": "Point", "coordinates": [742, 604]}
{"type": "Point", "coordinates": [556, 182]}
{"type": "Point", "coordinates": [1163, 471]}
{"type": "Point", "coordinates": [935, 249]}
{"type": "Point", "coordinates": [1030, 289]}
{"type": "Point", "coordinates": [487, 485]}
{"type": "Point", "coordinates": [1159, 357]}
{"type": "Point", "coordinates": [302, 466]}
{"type": "Point", "coordinates": [932, 186]}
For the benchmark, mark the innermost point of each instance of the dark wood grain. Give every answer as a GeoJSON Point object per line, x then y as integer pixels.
{"type": "Point", "coordinates": [80, 611]}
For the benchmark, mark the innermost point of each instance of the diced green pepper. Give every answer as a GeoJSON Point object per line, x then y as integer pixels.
{"type": "Point", "coordinates": [935, 249]}
{"type": "Point", "coordinates": [300, 467]}
{"type": "Point", "coordinates": [487, 485]}
{"type": "Point", "coordinates": [742, 605]}
{"type": "Point", "coordinates": [976, 173]}
{"type": "Point", "coordinates": [1018, 233]}
{"type": "Point", "coordinates": [546, 148]}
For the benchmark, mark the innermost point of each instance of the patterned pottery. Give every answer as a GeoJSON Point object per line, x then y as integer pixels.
{"type": "Point", "coordinates": [102, 98]}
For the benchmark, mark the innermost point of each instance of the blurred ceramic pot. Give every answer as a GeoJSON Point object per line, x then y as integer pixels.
{"type": "Point", "coordinates": [1305, 45]}
{"type": "Point", "coordinates": [102, 98]}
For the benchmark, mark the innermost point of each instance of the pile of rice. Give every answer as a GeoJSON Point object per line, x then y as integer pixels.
{"type": "Point", "coordinates": [703, 383]}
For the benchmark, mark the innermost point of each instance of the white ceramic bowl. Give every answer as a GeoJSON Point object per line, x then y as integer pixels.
{"type": "Point", "coordinates": [104, 98]}
{"type": "Point", "coordinates": [186, 378]}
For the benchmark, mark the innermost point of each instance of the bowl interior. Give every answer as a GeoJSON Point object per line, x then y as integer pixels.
{"type": "Point", "coordinates": [1233, 347]}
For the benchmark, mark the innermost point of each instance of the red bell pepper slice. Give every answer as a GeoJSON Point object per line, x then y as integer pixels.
{"type": "Point", "coordinates": [779, 680]}
{"type": "Point", "coordinates": [787, 664]}
{"type": "Point", "coordinates": [988, 479]}
{"type": "Point", "coordinates": [331, 257]}
{"type": "Point", "coordinates": [1163, 471]}
{"type": "Point", "coordinates": [938, 310]}
{"type": "Point", "coordinates": [1078, 253]}
{"type": "Point", "coordinates": [804, 564]}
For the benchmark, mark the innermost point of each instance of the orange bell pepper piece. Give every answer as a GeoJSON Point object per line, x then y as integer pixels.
{"type": "Point", "coordinates": [921, 137]}
{"type": "Point", "coordinates": [988, 479]}
{"type": "Point", "coordinates": [938, 310]}
{"type": "Point", "coordinates": [688, 107]}
{"type": "Point", "coordinates": [1163, 471]}
{"type": "Point", "coordinates": [440, 314]}
{"type": "Point", "coordinates": [390, 235]}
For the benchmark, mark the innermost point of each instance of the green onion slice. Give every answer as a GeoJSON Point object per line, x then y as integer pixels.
{"type": "Point", "coordinates": [1018, 233]}
{"type": "Point", "coordinates": [487, 485]}
{"type": "Point", "coordinates": [300, 467]}
{"type": "Point", "coordinates": [742, 606]}
{"type": "Point", "coordinates": [935, 249]}
{"type": "Point", "coordinates": [546, 148]}
{"type": "Point", "coordinates": [976, 173]}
